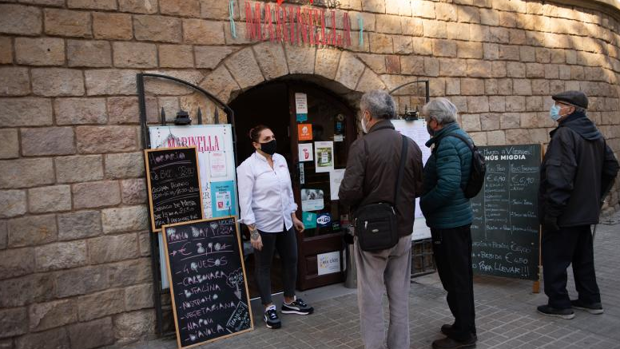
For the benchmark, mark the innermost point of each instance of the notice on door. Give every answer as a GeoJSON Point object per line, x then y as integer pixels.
{"type": "Point", "coordinates": [335, 178]}
{"type": "Point", "coordinates": [304, 132]}
{"type": "Point", "coordinates": [328, 263]}
{"type": "Point", "coordinates": [301, 107]}
{"type": "Point", "coordinates": [305, 152]}
{"type": "Point", "coordinates": [312, 200]}
{"type": "Point", "coordinates": [324, 156]}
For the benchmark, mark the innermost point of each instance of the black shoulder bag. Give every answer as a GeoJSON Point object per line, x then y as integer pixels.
{"type": "Point", "coordinates": [475, 182]}
{"type": "Point", "coordinates": [376, 225]}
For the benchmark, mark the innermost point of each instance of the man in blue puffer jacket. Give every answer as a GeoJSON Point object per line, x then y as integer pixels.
{"type": "Point", "coordinates": [449, 215]}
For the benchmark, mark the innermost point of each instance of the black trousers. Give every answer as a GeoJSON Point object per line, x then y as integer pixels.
{"type": "Point", "coordinates": [572, 245]}
{"type": "Point", "coordinates": [452, 250]}
{"type": "Point", "coordinates": [286, 244]}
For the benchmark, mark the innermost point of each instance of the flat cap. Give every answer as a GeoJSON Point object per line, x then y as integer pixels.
{"type": "Point", "coordinates": [576, 98]}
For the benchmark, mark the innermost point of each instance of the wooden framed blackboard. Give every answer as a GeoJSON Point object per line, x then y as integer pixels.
{"type": "Point", "coordinates": [173, 183]}
{"type": "Point", "coordinates": [210, 298]}
{"type": "Point", "coordinates": [505, 230]}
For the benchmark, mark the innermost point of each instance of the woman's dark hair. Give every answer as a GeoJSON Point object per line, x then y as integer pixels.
{"type": "Point", "coordinates": [255, 132]}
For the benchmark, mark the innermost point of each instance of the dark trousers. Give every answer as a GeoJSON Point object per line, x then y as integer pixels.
{"type": "Point", "coordinates": [452, 250]}
{"type": "Point", "coordinates": [559, 250]}
{"type": "Point", "coordinates": [286, 245]}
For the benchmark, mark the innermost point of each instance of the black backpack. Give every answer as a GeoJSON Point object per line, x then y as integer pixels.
{"type": "Point", "coordinates": [478, 168]}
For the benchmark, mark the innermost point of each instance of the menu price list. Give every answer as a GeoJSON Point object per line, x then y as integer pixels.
{"type": "Point", "coordinates": [208, 283]}
{"type": "Point", "coordinates": [505, 230]}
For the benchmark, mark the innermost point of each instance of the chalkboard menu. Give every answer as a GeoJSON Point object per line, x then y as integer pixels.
{"type": "Point", "coordinates": [505, 231]}
{"type": "Point", "coordinates": [173, 185]}
{"type": "Point", "coordinates": [207, 280]}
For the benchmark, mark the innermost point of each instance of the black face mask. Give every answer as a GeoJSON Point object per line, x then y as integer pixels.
{"type": "Point", "coordinates": [430, 130]}
{"type": "Point", "coordinates": [269, 147]}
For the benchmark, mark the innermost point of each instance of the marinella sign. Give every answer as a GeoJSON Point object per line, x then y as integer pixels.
{"type": "Point", "coordinates": [297, 25]}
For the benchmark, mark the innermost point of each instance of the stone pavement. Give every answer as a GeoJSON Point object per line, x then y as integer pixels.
{"type": "Point", "coordinates": [506, 314]}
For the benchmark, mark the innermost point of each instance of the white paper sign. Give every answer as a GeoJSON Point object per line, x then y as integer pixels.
{"type": "Point", "coordinates": [301, 103]}
{"type": "Point", "coordinates": [335, 178]}
{"type": "Point", "coordinates": [217, 161]}
{"type": "Point", "coordinates": [305, 152]}
{"type": "Point", "coordinates": [323, 156]}
{"type": "Point", "coordinates": [328, 263]}
{"type": "Point", "coordinates": [312, 200]}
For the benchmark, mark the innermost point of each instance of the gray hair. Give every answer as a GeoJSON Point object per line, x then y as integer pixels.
{"type": "Point", "coordinates": [379, 104]}
{"type": "Point", "coordinates": [440, 109]}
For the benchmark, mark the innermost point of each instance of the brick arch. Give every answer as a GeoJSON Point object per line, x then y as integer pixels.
{"type": "Point", "coordinates": [340, 71]}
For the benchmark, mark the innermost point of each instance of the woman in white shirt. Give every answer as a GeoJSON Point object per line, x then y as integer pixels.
{"type": "Point", "coordinates": [268, 210]}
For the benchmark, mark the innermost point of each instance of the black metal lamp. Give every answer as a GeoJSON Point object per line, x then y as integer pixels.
{"type": "Point", "coordinates": [182, 118]}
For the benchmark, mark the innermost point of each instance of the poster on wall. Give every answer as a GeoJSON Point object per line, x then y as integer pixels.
{"type": "Point", "coordinates": [335, 178]}
{"type": "Point", "coordinates": [223, 198]}
{"type": "Point", "coordinates": [301, 107]}
{"type": "Point", "coordinates": [305, 152]}
{"type": "Point", "coordinates": [217, 164]}
{"type": "Point", "coordinates": [304, 132]}
{"type": "Point", "coordinates": [312, 200]}
{"type": "Point", "coordinates": [328, 263]}
{"type": "Point", "coordinates": [324, 156]}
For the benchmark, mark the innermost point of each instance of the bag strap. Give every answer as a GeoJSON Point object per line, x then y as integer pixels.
{"type": "Point", "coordinates": [401, 169]}
{"type": "Point", "coordinates": [465, 140]}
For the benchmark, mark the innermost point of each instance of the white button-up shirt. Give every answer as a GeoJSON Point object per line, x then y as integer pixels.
{"type": "Point", "coordinates": [266, 194]}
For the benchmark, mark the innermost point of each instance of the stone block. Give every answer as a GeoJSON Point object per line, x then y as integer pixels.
{"type": "Point", "coordinates": [85, 168]}
{"type": "Point", "coordinates": [478, 104]}
{"type": "Point", "coordinates": [369, 81]}
{"type": "Point", "coordinates": [81, 281]}
{"type": "Point", "coordinates": [460, 102]}
{"type": "Point", "coordinates": [496, 138]}
{"type": "Point", "coordinates": [118, 220]}
{"type": "Point", "coordinates": [78, 111]}
{"type": "Point", "coordinates": [527, 53]}
{"type": "Point", "coordinates": [25, 173]}
{"type": "Point", "coordinates": [194, 32]}
{"type": "Point", "coordinates": [458, 31]}
{"type": "Point", "coordinates": [469, 49]}
{"type": "Point", "coordinates": [25, 112]}
{"type": "Point", "coordinates": [479, 69]}
{"type": "Point", "coordinates": [113, 248]}
{"type": "Point", "coordinates": [552, 71]}
{"type": "Point", "coordinates": [79, 225]}
{"type": "Point", "coordinates": [515, 69]}
{"type": "Point", "coordinates": [96, 194]}
{"type": "Point", "coordinates": [518, 136]}
{"type": "Point", "coordinates": [133, 191]}
{"type": "Point", "coordinates": [422, 46]}
{"type": "Point", "coordinates": [12, 203]}
{"type": "Point", "coordinates": [163, 87]}
{"type": "Point", "coordinates": [534, 70]}
{"type": "Point", "coordinates": [129, 273]}
{"type": "Point", "coordinates": [49, 199]}
{"type": "Point", "coordinates": [157, 28]}
{"type": "Point", "coordinates": [411, 26]}
{"type": "Point", "coordinates": [124, 165]}
{"type": "Point", "coordinates": [349, 70]}
{"type": "Point", "coordinates": [444, 48]}
{"type": "Point", "coordinates": [112, 26]}
{"type": "Point", "coordinates": [21, 20]}
{"type": "Point", "coordinates": [326, 63]}
{"type": "Point", "coordinates": [479, 33]}
{"type": "Point", "coordinates": [101, 304]}
{"type": "Point", "coordinates": [497, 104]}
{"type": "Point", "coordinates": [106, 139]}
{"type": "Point", "coordinates": [499, 35]}
{"type": "Point", "coordinates": [522, 87]}
{"type": "Point", "coordinates": [6, 50]}
{"type": "Point", "coordinates": [446, 12]}
{"type": "Point", "coordinates": [40, 51]}
{"type": "Point", "coordinates": [534, 103]}
{"type": "Point", "coordinates": [139, 297]}
{"type": "Point", "coordinates": [381, 43]}
{"type": "Point", "coordinates": [245, 69]}
{"type": "Point", "coordinates": [176, 56]}
{"type": "Point", "coordinates": [144, 241]}
{"type": "Point", "coordinates": [209, 57]}
{"type": "Point", "coordinates": [490, 51]}
{"type": "Point", "coordinates": [16, 262]}
{"type": "Point", "coordinates": [184, 8]}
{"type": "Point", "coordinates": [67, 23]}
{"type": "Point", "coordinates": [13, 322]}
{"type": "Point", "coordinates": [498, 69]}
{"type": "Point", "coordinates": [489, 17]}
{"type": "Point", "coordinates": [47, 141]}
{"type": "Point", "coordinates": [32, 230]}
{"type": "Point", "coordinates": [61, 255]}
{"type": "Point", "coordinates": [510, 120]}
{"type": "Point", "coordinates": [517, 37]}
{"type": "Point", "coordinates": [92, 4]}
{"type": "Point", "coordinates": [53, 314]}
{"type": "Point", "coordinates": [83, 53]}
{"type": "Point", "coordinates": [437, 87]}
{"type": "Point", "coordinates": [452, 67]}
{"type": "Point", "coordinates": [135, 55]}
{"type": "Point", "coordinates": [515, 103]}
{"type": "Point", "coordinates": [377, 6]}
{"type": "Point", "coordinates": [489, 122]}
{"type": "Point", "coordinates": [215, 9]}
{"type": "Point", "coordinates": [509, 53]}
{"type": "Point", "coordinates": [388, 24]}
{"type": "Point", "coordinates": [472, 87]}
{"type": "Point", "coordinates": [52, 339]}
{"type": "Point", "coordinates": [111, 82]}
{"type": "Point", "coordinates": [130, 327]}
{"type": "Point", "coordinates": [93, 334]}
{"type": "Point", "coordinates": [431, 66]}
{"type": "Point", "coordinates": [3, 239]}
{"type": "Point", "coordinates": [390, 65]}
{"type": "Point", "coordinates": [220, 82]}
{"type": "Point", "coordinates": [412, 65]}
{"type": "Point", "coordinates": [403, 45]}
{"type": "Point", "coordinates": [540, 87]}
{"type": "Point", "coordinates": [55, 82]}
{"type": "Point", "coordinates": [468, 14]}
{"type": "Point", "coordinates": [14, 81]}
{"type": "Point", "coordinates": [434, 29]}
{"type": "Point", "coordinates": [125, 110]}
{"type": "Point", "coordinates": [453, 87]}
{"type": "Point", "coordinates": [470, 122]}
{"type": "Point", "coordinates": [556, 86]}
{"type": "Point", "coordinates": [138, 6]}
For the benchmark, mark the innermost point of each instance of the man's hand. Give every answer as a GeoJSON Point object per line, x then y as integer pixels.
{"type": "Point", "coordinates": [551, 223]}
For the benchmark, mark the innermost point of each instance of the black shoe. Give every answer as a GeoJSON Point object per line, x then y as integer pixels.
{"type": "Point", "coordinates": [449, 343]}
{"type": "Point", "coordinates": [446, 328]}
{"type": "Point", "coordinates": [566, 314]}
{"type": "Point", "coordinates": [271, 318]}
{"type": "Point", "coordinates": [298, 306]}
{"type": "Point", "coordinates": [594, 308]}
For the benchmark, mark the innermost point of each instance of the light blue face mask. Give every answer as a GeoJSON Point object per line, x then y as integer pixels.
{"type": "Point", "coordinates": [554, 112]}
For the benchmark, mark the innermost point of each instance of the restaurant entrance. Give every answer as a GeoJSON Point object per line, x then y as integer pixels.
{"type": "Point", "coordinates": [315, 149]}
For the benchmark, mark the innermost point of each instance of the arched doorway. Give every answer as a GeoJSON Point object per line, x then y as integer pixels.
{"type": "Point", "coordinates": [333, 122]}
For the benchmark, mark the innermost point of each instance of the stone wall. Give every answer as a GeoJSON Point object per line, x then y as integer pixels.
{"type": "Point", "coordinates": [74, 246]}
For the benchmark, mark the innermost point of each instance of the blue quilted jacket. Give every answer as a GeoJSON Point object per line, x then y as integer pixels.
{"type": "Point", "coordinates": [445, 174]}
